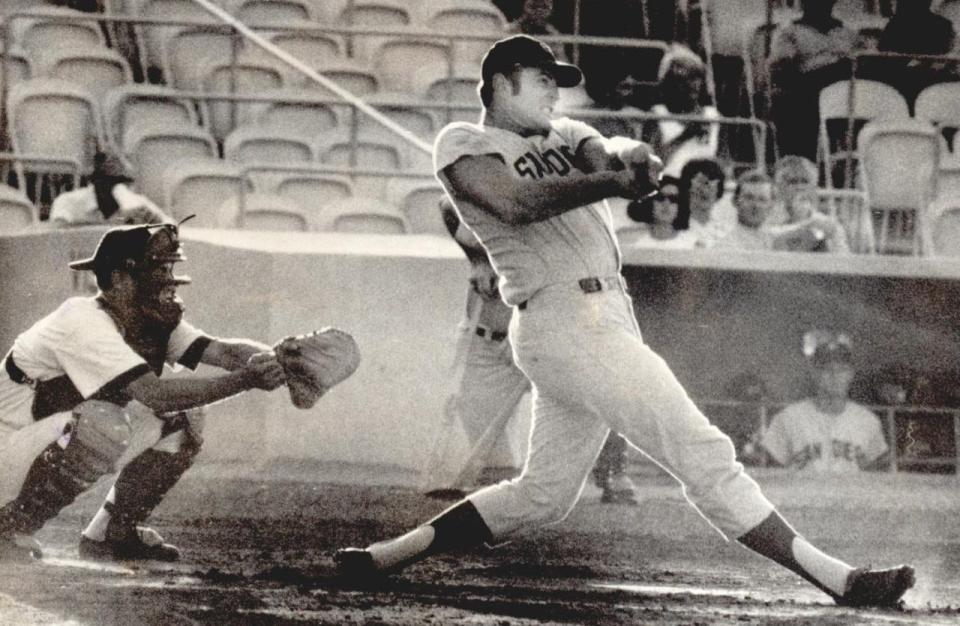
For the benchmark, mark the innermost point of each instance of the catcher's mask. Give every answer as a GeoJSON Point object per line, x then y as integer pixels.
{"type": "Point", "coordinates": [146, 251]}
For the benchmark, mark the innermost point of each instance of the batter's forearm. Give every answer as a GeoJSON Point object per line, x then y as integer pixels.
{"type": "Point", "coordinates": [535, 202]}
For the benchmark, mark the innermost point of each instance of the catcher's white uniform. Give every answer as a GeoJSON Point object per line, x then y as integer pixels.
{"type": "Point", "coordinates": [803, 437]}
{"type": "Point", "coordinates": [575, 337]}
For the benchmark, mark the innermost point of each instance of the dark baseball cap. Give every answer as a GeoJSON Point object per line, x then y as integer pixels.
{"type": "Point", "coordinates": [136, 248]}
{"type": "Point", "coordinates": [526, 51]}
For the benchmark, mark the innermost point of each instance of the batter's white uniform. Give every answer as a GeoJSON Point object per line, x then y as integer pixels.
{"type": "Point", "coordinates": [79, 344]}
{"type": "Point", "coordinates": [803, 437]}
{"type": "Point", "coordinates": [589, 367]}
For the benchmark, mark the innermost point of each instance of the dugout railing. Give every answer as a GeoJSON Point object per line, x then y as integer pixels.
{"type": "Point", "coordinates": [916, 442]}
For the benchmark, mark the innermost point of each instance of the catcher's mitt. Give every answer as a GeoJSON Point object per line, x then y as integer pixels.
{"type": "Point", "coordinates": [315, 362]}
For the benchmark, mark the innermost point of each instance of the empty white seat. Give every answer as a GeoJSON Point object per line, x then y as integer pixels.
{"type": "Point", "coordinates": [152, 150]}
{"type": "Point", "coordinates": [147, 106]}
{"type": "Point", "coordinates": [257, 211]}
{"type": "Point", "coordinates": [199, 186]}
{"type": "Point", "coordinates": [16, 210]}
{"type": "Point", "coordinates": [268, 144]}
{"type": "Point", "coordinates": [363, 214]}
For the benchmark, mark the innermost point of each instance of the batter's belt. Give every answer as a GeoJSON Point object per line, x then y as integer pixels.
{"type": "Point", "coordinates": [591, 284]}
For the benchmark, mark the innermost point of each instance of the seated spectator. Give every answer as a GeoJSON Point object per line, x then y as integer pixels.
{"type": "Point", "coordinates": [667, 224]}
{"type": "Point", "coordinates": [915, 29]}
{"type": "Point", "coordinates": [534, 20]}
{"type": "Point", "coordinates": [615, 89]}
{"type": "Point", "coordinates": [682, 79]}
{"type": "Point", "coordinates": [753, 199]}
{"type": "Point", "coordinates": [796, 220]}
{"type": "Point", "coordinates": [805, 57]}
{"type": "Point", "coordinates": [106, 200]}
{"type": "Point", "coordinates": [701, 188]}
{"type": "Point", "coordinates": [827, 431]}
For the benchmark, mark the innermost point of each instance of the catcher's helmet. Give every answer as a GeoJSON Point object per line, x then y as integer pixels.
{"type": "Point", "coordinates": [147, 249]}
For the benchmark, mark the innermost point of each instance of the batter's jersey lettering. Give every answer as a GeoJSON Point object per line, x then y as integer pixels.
{"type": "Point", "coordinates": [802, 437]}
{"type": "Point", "coordinates": [564, 248]}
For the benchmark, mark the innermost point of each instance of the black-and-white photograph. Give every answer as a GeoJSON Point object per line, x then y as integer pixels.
{"type": "Point", "coordinates": [479, 312]}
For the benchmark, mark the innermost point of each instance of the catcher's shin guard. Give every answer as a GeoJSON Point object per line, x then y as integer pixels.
{"type": "Point", "coordinates": [95, 438]}
{"type": "Point", "coordinates": [143, 483]}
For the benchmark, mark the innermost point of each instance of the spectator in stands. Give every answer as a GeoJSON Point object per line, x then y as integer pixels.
{"type": "Point", "coordinates": [753, 199]}
{"type": "Point", "coordinates": [682, 78]}
{"type": "Point", "coordinates": [805, 57]}
{"type": "Point", "coordinates": [701, 188]}
{"type": "Point", "coordinates": [827, 431]}
{"type": "Point", "coordinates": [106, 200]}
{"type": "Point", "coordinates": [667, 224]}
{"type": "Point", "coordinates": [796, 220]}
{"type": "Point", "coordinates": [915, 29]}
{"type": "Point", "coordinates": [615, 89]}
{"type": "Point", "coordinates": [534, 20]}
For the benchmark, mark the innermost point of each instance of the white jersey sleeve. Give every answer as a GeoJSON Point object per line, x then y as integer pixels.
{"type": "Point", "coordinates": [92, 351]}
{"type": "Point", "coordinates": [186, 345]}
{"type": "Point", "coordinates": [459, 140]}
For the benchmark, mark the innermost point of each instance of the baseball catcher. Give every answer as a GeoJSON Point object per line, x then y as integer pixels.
{"type": "Point", "coordinates": [70, 377]}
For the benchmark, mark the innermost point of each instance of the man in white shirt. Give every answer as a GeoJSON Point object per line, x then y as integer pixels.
{"type": "Point", "coordinates": [107, 199]}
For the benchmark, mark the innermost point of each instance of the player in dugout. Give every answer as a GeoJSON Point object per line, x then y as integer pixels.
{"type": "Point", "coordinates": [532, 188]}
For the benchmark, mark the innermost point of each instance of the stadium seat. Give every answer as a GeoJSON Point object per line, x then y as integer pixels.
{"type": "Point", "coordinates": [267, 12]}
{"type": "Point", "coordinates": [419, 201]}
{"type": "Point", "coordinates": [267, 144]}
{"type": "Point", "coordinates": [362, 214]}
{"type": "Point", "coordinates": [188, 51]}
{"type": "Point", "coordinates": [940, 104]}
{"type": "Point", "coordinates": [247, 78]}
{"type": "Point", "coordinates": [54, 118]}
{"type": "Point", "coordinates": [312, 192]}
{"type": "Point", "coordinates": [66, 29]}
{"type": "Point", "coordinates": [144, 106]}
{"type": "Point", "coordinates": [898, 162]}
{"type": "Point", "coordinates": [946, 230]}
{"type": "Point", "coordinates": [377, 14]}
{"type": "Point", "coordinates": [309, 118]}
{"type": "Point", "coordinates": [16, 210]}
{"type": "Point", "coordinates": [152, 150]}
{"type": "Point", "coordinates": [199, 186]}
{"type": "Point", "coordinates": [376, 149]}
{"type": "Point", "coordinates": [410, 65]}
{"type": "Point", "coordinates": [353, 76]}
{"type": "Point", "coordinates": [872, 100]}
{"type": "Point", "coordinates": [460, 85]}
{"type": "Point", "coordinates": [422, 123]}
{"type": "Point", "coordinates": [476, 18]}
{"type": "Point", "coordinates": [731, 22]}
{"type": "Point", "coordinates": [16, 69]}
{"type": "Point", "coordinates": [256, 211]}
{"type": "Point", "coordinates": [153, 38]}
{"type": "Point", "coordinates": [98, 70]}
{"type": "Point", "coordinates": [313, 48]}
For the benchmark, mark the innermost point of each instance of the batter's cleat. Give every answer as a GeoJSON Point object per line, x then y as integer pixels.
{"type": "Point", "coordinates": [880, 588]}
{"type": "Point", "coordinates": [142, 544]}
{"type": "Point", "coordinates": [619, 489]}
{"type": "Point", "coordinates": [19, 548]}
{"type": "Point", "coordinates": [356, 564]}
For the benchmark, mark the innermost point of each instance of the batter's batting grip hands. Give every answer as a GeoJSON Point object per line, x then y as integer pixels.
{"type": "Point", "coordinates": [640, 177]}
{"type": "Point", "coordinates": [263, 371]}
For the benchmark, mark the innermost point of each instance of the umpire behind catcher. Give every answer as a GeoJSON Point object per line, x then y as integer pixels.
{"type": "Point", "coordinates": [78, 367]}
{"type": "Point", "coordinates": [532, 188]}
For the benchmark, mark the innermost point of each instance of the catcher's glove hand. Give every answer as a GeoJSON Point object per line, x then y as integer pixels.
{"type": "Point", "coordinates": [315, 362]}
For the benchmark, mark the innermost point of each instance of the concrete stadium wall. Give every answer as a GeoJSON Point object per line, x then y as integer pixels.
{"type": "Point", "coordinates": [403, 297]}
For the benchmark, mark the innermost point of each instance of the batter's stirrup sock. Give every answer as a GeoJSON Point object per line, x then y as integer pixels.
{"type": "Point", "coordinates": [54, 480]}
{"type": "Point", "coordinates": [773, 538]}
{"type": "Point", "coordinates": [141, 486]}
{"type": "Point", "coordinates": [458, 528]}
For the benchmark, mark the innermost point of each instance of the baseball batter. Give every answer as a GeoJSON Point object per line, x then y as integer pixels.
{"type": "Point", "coordinates": [491, 385]}
{"type": "Point", "coordinates": [69, 376]}
{"type": "Point", "coordinates": [532, 189]}
{"type": "Point", "coordinates": [828, 431]}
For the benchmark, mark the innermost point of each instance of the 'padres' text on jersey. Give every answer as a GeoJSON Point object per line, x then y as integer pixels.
{"type": "Point", "coordinates": [564, 248]}
{"type": "Point", "coordinates": [801, 436]}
